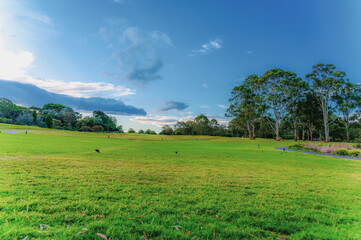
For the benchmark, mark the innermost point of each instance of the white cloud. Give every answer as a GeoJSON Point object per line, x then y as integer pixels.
{"type": "Point", "coordinates": [207, 47]}
{"type": "Point", "coordinates": [205, 85]}
{"type": "Point", "coordinates": [14, 66]}
{"type": "Point", "coordinates": [222, 106]}
{"type": "Point", "coordinates": [159, 120]}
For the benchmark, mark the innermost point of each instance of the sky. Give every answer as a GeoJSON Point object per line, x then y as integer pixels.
{"type": "Point", "coordinates": [156, 62]}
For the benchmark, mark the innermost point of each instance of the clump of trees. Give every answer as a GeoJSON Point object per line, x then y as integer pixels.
{"type": "Point", "coordinates": [201, 125]}
{"type": "Point", "coordinates": [279, 103]}
{"type": "Point", "coordinates": [57, 116]}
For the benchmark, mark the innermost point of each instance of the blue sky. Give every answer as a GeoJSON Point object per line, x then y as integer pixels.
{"type": "Point", "coordinates": [156, 62]}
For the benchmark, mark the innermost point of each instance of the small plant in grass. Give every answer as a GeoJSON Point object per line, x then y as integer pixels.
{"type": "Point", "coordinates": [342, 152]}
{"type": "Point", "coordinates": [298, 146]}
{"type": "Point", "coordinates": [355, 153]}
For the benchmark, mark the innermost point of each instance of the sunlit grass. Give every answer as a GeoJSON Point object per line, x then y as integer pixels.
{"type": "Point", "coordinates": [214, 188]}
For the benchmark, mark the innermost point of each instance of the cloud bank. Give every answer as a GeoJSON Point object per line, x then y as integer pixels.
{"type": "Point", "coordinates": [14, 66]}
{"type": "Point", "coordinates": [171, 105]}
{"type": "Point", "coordinates": [28, 95]}
{"type": "Point", "coordinates": [136, 51]}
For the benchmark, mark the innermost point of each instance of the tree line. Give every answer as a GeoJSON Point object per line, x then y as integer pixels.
{"type": "Point", "coordinates": [325, 105]}
{"type": "Point", "coordinates": [57, 116]}
{"type": "Point", "coordinates": [201, 125]}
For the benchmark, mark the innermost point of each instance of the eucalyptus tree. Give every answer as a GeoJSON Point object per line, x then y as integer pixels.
{"type": "Point", "coordinates": [202, 124]}
{"type": "Point", "coordinates": [213, 123]}
{"type": "Point", "coordinates": [294, 110]}
{"type": "Point", "coordinates": [246, 104]}
{"type": "Point", "coordinates": [280, 89]}
{"type": "Point", "coordinates": [348, 100]}
{"type": "Point", "coordinates": [326, 82]}
{"type": "Point", "coordinates": [310, 114]}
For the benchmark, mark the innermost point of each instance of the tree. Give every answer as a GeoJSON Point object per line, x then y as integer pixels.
{"type": "Point", "coordinates": [214, 126]}
{"type": "Point", "coordinates": [280, 90]}
{"type": "Point", "coordinates": [34, 116]}
{"type": "Point", "coordinates": [131, 130]}
{"type": "Point", "coordinates": [246, 104]}
{"type": "Point", "coordinates": [348, 100]}
{"type": "Point", "coordinates": [49, 121]}
{"type": "Point", "coordinates": [310, 114]}
{"type": "Point", "coordinates": [201, 122]}
{"type": "Point", "coordinates": [325, 84]}
{"type": "Point", "coordinates": [120, 129]}
{"type": "Point", "coordinates": [141, 131]}
{"type": "Point", "coordinates": [166, 130]}
{"type": "Point", "coordinates": [53, 106]}
{"type": "Point", "coordinates": [25, 119]}
{"type": "Point", "coordinates": [109, 123]}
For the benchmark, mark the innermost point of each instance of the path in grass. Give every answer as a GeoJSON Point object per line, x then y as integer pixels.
{"type": "Point", "coordinates": [214, 188]}
{"type": "Point", "coordinates": [316, 153]}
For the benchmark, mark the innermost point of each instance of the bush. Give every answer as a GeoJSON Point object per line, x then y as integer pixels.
{"type": "Point", "coordinates": [354, 153]}
{"type": "Point", "coordinates": [5, 120]}
{"type": "Point", "coordinates": [97, 128]}
{"type": "Point", "coordinates": [342, 152]}
{"type": "Point", "coordinates": [358, 145]}
{"type": "Point", "coordinates": [298, 146]}
{"type": "Point", "coordinates": [85, 129]}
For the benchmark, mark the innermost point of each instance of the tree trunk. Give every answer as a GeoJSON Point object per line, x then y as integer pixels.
{"type": "Point", "coordinates": [325, 120]}
{"type": "Point", "coordinates": [253, 129]}
{"type": "Point", "coordinates": [303, 133]}
{"type": "Point", "coordinates": [295, 129]}
{"type": "Point", "coordinates": [249, 129]}
{"type": "Point", "coordinates": [277, 131]}
{"type": "Point", "coordinates": [347, 132]}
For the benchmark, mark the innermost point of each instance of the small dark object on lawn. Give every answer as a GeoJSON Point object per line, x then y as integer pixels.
{"type": "Point", "coordinates": [176, 152]}
{"type": "Point", "coordinates": [97, 150]}
{"type": "Point", "coordinates": [258, 145]}
{"type": "Point", "coordinates": [26, 132]}
{"type": "Point", "coordinates": [108, 136]}
{"type": "Point", "coordinates": [284, 149]}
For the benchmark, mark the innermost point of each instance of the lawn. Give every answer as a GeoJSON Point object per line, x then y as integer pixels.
{"type": "Point", "coordinates": [53, 185]}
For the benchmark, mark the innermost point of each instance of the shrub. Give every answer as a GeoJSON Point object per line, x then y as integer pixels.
{"type": "Point", "coordinates": [97, 128]}
{"type": "Point", "coordinates": [358, 145]}
{"type": "Point", "coordinates": [85, 129]}
{"type": "Point", "coordinates": [354, 153]}
{"type": "Point", "coordinates": [298, 146]}
{"type": "Point", "coordinates": [342, 152]}
{"type": "Point", "coordinates": [5, 120]}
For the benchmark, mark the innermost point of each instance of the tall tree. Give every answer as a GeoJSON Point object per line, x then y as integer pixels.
{"type": "Point", "coordinates": [310, 114]}
{"type": "Point", "coordinates": [280, 89]}
{"type": "Point", "coordinates": [49, 121]}
{"type": "Point", "coordinates": [348, 100]}
{"type": "Point", "coordinates": [326, 82]}
{"type": "Point", "coordinates": [202, 124]}
{"type": "Point", "coordinates": [246, 104]}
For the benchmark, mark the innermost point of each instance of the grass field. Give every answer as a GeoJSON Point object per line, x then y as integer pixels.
{"type": "Point", "coordinates": [137, 188]}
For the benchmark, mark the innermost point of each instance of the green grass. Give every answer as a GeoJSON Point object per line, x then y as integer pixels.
{"type": "Point", "coordinates": [214, 188]}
